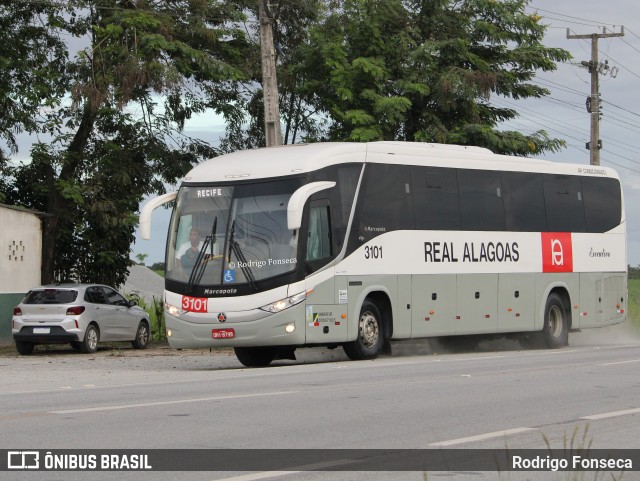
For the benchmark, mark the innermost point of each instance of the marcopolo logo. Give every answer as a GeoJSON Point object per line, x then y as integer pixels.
{"type": "Point", "coordinates": [557, 252]}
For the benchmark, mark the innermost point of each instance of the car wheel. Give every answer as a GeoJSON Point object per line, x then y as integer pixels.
{"type": "Point", "coordinates": [370, 339]}
{"type": "Point", "coordinates": [142, 336]}
{"type": "Point", "coordinates": [91, 338]}
{"type": "Point", "coordinates": [24, 347]}
{"type": "Point", "coordinates": [255, 356]}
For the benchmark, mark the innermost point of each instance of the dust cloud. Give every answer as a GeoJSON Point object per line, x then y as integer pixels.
{"type": "Point", "coordinates": [626, 333]}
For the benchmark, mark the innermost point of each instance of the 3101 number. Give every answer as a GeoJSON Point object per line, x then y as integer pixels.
{"type": "Point", "coordinates": [373, 252]}
{"type": "Point", "coordinates": [194, 304]}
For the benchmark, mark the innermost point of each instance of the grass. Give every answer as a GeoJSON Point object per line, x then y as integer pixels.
{"type": "Point", "coordinates": [634, 302]}
{"type": "Point", "coordinates": [156, 315]}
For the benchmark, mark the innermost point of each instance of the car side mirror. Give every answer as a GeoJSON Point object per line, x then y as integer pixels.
{"type": "Point", "coordinates": [133, 303]}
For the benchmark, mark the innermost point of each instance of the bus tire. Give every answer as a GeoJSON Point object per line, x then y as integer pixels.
{"type": "Point", "coordinates": [555, 332]}
{"type": "Point", "coordinates": [370, 340]}
{"type": "Point", "coordinates": [255, 356]}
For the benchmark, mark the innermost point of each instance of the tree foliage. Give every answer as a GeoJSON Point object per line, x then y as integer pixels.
{"type": "Point", "coordinates": [32, 60]}
{"type": "Point", "coordinates": [426, 70]}
{"type": "Point", "coordinates": [142, 70]}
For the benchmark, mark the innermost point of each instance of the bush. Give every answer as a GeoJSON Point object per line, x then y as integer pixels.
{"type": "Point", "coordinates": [156, 315]}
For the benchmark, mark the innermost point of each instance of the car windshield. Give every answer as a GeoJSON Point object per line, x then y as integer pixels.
{"type": "Point", "coordinates": [227, 235]}
{"type": "Point", "coordinates": [51, 296]}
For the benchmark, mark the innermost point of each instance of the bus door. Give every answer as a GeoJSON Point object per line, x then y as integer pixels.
{"type": "Point", "coordinates": [326, 307]}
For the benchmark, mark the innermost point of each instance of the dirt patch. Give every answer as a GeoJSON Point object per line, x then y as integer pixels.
{"type": "Point", "coordinates": [112, 349]}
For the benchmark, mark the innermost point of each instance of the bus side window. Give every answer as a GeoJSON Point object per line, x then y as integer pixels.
{"type": "Point", "coordinates": [564, 204]}
{"type": "Point", "coordinates": [524, 202]}
{"type": "Point", "coordinates": [319, 236]}
{"type": "Point", "coordinates": [481, 203]}
{"type": "Point", "coordinates": [602, 203]}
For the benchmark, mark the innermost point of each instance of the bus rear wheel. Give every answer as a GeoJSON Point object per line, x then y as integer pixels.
{"type": "Point", "coordinates": [255, 356]}
{"type": "Point", "coordinates": [555, 332]}
{"type": "Point", "coordinates": [370, 339]}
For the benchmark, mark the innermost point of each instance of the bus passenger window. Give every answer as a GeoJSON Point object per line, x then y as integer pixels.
{"type": "Point", "coordinates": [319, 239]}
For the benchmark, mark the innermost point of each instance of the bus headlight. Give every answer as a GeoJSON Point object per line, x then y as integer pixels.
{"type": "Point", "coordinates": [286, 303]}
{"type": "Point", "coordinates": [173, 310]}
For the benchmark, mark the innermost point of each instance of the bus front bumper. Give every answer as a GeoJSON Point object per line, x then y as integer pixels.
{"type": "Point", "coordinates": [286, 328]}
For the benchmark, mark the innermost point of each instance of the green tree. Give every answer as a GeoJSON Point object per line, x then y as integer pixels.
{"type": "Point", "coordinates": [141, 258]}
{"type": "Point", "coordinates": [32, 57]}
{"type": "Point", "coordinates": [144, 69]}
{"type": "Point", "coordinates": [425, 70]}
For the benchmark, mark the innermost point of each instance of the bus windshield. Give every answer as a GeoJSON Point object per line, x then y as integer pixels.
{"type": "Point", "coordinates": [229, 235]}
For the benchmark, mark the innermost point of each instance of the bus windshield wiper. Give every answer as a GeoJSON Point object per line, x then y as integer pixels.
{"type": "Point", "coordinates": [214, 227]}
{"type": "Point", "coordinates": [242, 260]}
{"type": "Point", "coordinates": [200, 265]}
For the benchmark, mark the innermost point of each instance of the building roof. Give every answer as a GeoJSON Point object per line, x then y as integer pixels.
{"type": "Point", "coordinates": [24, 209]}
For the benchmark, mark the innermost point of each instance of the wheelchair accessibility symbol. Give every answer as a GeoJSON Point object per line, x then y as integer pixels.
{"type": "Point", "coordinates": [229, 276]}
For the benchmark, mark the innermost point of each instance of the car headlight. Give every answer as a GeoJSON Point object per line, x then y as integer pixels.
{"type": "Point", "coordinates": [286, 303]}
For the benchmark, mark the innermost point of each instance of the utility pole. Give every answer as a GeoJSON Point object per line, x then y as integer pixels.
{"type": "Point", "coordinates": [593, 102]}
{"type": "Point", "coordinates": [272, 132]}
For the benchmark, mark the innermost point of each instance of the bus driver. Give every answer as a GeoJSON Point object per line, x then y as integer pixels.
{"type": "Point", "coordinates": [188, 252]}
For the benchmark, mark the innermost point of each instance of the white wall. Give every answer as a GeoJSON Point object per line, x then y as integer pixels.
{"type": "Point", "coordinates": [20, 250]}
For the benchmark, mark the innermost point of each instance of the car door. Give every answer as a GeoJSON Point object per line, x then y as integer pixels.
{"type": "Point", "coordinates": [124, 322]}
{"type": "Point", "coordinates": [102, 313]}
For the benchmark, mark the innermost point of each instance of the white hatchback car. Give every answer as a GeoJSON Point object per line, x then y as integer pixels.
{"type": "Point", "coordinates": [80, 314]}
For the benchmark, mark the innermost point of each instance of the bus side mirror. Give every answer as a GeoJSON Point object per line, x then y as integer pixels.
{"type": "Point", "coordinates": [145, 213]}
{"type": "Point", "coordinates": [298, 199]}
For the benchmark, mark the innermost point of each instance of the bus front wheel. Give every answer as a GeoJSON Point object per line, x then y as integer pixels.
{"type": "Point", "coordinates": [254, 356]}
{"type": "Point", "coordinates": [555, 332]}
{"type": "Point", "coordinates": [370, 339]}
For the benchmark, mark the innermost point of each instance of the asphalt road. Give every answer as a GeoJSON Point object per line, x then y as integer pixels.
{"type": "Point", "coordinates": [585, 395]}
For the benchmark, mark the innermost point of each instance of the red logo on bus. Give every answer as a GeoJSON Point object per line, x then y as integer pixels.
{"type": "Point", "coordinates": [557, 252]}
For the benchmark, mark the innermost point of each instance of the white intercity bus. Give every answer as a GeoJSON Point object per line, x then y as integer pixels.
{"type": "Point", "coordinates": [358, 244]}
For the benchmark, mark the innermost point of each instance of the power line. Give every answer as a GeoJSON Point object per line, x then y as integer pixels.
{"type": "Point", "coordinates": [632, 33]}
{"type": "Point", "coordinates": [624, 41]}
{"type": "Point", "coordinates": [565, 127]}
{"type": "Point", "coordinates": [592, 22]}
{"type": "Point", "coordinates": [621, 108]}
{"type": "Point", "coordinates": [559, 86]}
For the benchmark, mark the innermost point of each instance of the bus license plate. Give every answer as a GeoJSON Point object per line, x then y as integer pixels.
{"type": "Point", "coordinates": [227, 333]}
